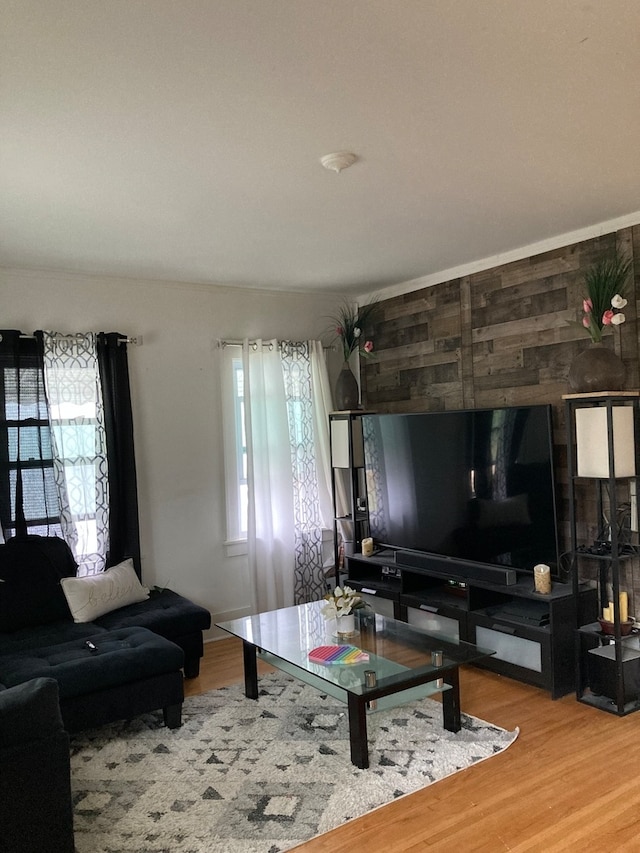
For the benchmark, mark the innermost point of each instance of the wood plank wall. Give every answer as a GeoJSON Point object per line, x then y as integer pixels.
{"type": "Point", "coordinates": [500, 337]}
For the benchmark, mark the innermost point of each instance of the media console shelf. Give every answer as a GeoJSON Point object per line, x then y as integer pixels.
{"type": "Point", "coordinates": [533, 634]}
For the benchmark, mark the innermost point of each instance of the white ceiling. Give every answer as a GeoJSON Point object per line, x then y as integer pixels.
{"type": "Point", "coordinates": [181, 139]}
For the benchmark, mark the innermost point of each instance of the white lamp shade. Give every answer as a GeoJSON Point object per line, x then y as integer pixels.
{"type": "Point", "coordinates": [592, 443]}
{"type": "Point", "coordinates": [340, 443]}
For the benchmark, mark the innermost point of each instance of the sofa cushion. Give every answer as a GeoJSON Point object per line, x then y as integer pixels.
{"type": "Point", "coordinates": [51, 634]}
{"type": "Point", "coordinates": [30, 571]}
{"type": "Point", "coordinates": [29, 712]}
{"type": "Point", "coordinates": [94, 595]}
{"type": "Point", "coordinates": [164, 612]}
{"type": "Point", "coordinates": [117, 658]}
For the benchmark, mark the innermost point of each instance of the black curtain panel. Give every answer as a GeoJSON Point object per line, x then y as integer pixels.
{"type": "Point", "coordinates": [124, 529]}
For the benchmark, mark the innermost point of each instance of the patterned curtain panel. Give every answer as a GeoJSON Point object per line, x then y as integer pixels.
{"type": "Point", "coordinates": [309, 584]}
{"type": "Point", "coordinates": [76, 417]}
{"type": "Point", "coordinates": [322, 404]}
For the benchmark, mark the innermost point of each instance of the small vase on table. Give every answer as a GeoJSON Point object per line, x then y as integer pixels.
{"type": "Point", "coordinates": [345, 626]}
{"type": "Point", "coordinates": [340, 605]}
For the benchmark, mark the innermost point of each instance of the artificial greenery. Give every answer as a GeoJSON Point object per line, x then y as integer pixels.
{"type": "Point", "coordinates": [606, 283]}
{"type": "Point", "coordinates": [349, 324]}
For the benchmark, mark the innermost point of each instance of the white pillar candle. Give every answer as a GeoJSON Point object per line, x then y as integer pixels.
{"type": "Point", "coordinates": [367, 547]}
{"type": "Point", "coordinates": [542, 578]}
{"type": "Point", "coordinates": [624, 607]}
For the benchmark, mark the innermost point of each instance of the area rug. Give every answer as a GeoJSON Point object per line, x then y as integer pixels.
{"type": "Point", "coordinates": [242, 776]}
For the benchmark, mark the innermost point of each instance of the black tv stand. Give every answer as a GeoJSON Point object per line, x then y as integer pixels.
{"type": "Point", "coordinates": [533, 634]}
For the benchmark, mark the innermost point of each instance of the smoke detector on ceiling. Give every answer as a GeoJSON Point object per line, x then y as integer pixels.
{"type": "Point", "coordinates": [338, 161]}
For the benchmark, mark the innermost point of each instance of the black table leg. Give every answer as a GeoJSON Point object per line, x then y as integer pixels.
{"type": "Point", "coordinates": [358, 731]}
{"type": "Point", "coordinates": [250, 670]}
{"type": "Point", "coordinates": [451, 702]}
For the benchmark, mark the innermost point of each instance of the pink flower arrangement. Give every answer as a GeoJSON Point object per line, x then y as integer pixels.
{"type": "Point", "coordinates": [609, 316]}
{"type": "Point", "coordinates": [350, 322]}
{"type": "Point", "coordinates": [605, 283]}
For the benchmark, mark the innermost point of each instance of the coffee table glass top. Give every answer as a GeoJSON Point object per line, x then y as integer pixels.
{"type": "Point", "coordinates": [397, 651]}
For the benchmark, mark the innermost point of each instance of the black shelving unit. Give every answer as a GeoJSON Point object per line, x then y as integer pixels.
{"type": "Point", "coordinates": [607, 664]}
{"type": "Point", "coordinates": [348, 486]}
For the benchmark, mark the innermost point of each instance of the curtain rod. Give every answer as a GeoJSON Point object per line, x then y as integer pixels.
{"type": "Point", "coordinates": [223, 343]}
{"type": "Point", "coordinates": [136, 341]}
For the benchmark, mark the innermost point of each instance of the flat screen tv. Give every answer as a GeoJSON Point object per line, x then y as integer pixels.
{"type": "Point", "coordinates": [473, 487]}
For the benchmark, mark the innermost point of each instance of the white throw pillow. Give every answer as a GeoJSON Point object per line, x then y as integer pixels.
{"type": "Point", "coordinates": [95, 595]}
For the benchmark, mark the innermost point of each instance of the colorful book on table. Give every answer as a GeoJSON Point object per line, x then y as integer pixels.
{"type": "Point", "coordinates": [338, 654]}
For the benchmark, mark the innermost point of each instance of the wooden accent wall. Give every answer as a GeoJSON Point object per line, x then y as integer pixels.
{"type": "Point", "coordinates": [497, 338]}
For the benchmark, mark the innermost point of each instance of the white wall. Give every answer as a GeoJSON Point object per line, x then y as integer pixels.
{"type": "Point", "coordinates": [176, 403]}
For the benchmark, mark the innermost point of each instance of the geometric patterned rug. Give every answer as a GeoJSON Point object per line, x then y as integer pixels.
{"type": "Point", "coordinates": [242, 776]}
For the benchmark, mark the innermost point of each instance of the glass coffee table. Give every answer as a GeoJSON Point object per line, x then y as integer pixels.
{"type": "Point", "coordinates": [405, 663]}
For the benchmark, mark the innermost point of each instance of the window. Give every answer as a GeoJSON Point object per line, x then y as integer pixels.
{"type": "Point", "coordinates": [276, 441]}
{"type": "Point", "coordinates": [235, 440]}
{"type": "Point", "coordinates": [240, 448]}
{"type": "Point", "coordinates": [298, 415]}
{"type": "Point", "coordinates": [54, 476]}
{"type": "Point", "coordinates": [26, 454]}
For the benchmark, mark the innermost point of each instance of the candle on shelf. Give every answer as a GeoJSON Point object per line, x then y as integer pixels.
{"type": "Point", "coordinates": [542, 578]}
{"type": "Point", "coordinates": [624, 607]}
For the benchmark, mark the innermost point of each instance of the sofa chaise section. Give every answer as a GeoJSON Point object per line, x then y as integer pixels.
{"type": "Point", "coordinates": [113, 656]}
{"type": "Point", "coordinates": [171, 616]}
{"type": "Point", "coordinates": [110, 676]}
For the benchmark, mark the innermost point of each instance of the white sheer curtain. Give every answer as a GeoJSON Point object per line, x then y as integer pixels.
{"type": "Point", "coordinates": [287, 401]}
{"type": "Point", "coordinates": [270, 533]}
{"type": "Point", "coordinates": [74, 400]}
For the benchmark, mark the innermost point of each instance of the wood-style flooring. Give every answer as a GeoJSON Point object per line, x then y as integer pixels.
{"type": "Point", "coordinates": [570, 782]}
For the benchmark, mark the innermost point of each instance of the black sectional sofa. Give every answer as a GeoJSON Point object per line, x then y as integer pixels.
{"type": "Point", "coordinates": [125, 662]}
{"type": "Point", "coordinates": [59, 674]}
{"type": "Point", "coordinates": [36, 813]}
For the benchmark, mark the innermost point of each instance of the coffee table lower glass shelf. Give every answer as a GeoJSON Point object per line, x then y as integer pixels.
{"type": "Point", "coordinates": [400, 668]}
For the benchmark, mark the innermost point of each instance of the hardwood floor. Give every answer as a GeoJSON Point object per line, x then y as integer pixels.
{"type": "Point", "coordinates": [568, 783]}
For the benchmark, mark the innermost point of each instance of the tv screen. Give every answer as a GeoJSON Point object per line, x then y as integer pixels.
{"type": "Point", "coordinates": [474, 486]}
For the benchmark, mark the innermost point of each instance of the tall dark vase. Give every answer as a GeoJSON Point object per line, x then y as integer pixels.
{"type": "Point", "coordinates": [347, 391]}
{"type": "Point", "coordinates": [596, 369]}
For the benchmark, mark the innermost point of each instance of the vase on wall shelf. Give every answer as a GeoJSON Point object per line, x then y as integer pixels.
{"type": "Point", "coordinates": [347, 391]}
{"type": "Point", "coordinates": [596, 368]}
